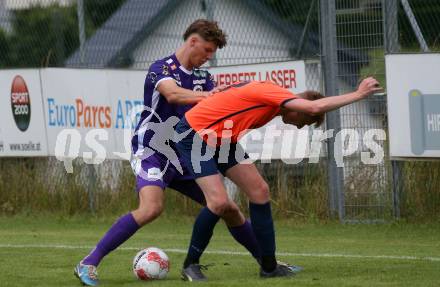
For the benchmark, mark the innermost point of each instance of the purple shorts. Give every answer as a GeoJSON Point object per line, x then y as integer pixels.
{"type": "Point", "coordinates": [158, 171]}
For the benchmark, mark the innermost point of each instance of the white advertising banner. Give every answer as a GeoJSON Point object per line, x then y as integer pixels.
{"type": "Point", "coordinates": [413, 94]}
{"type": "Point", "coordinates": [86, 111]}
{"type": "Point", "coordinates": [279, 139]}
{"type": "Point", "coordinates": [22, 130]}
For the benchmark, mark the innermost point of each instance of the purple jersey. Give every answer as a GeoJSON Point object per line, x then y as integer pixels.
{"type": "Point", "coordinates": [157, 109]}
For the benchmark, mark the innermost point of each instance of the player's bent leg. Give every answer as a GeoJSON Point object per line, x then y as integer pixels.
{"type": "Point", "coordinates": [232, 215]}
{"type": "Point", "coordinates": [241, 230]}
{"type": "Point", "coordinates": [217, 203]}
{"type": "Point", "coordinates": [217, 199]}
{"type": "Point", "coordinates": [151, 199]}
{"type": "Point", "coordinates": [239, 227]}
{"type": "Point", "coordinates": [248, 179]}
{"type": "Point", "coordinates": [120, 231]}
{"type": "Point", "coordinates": [150, 207]}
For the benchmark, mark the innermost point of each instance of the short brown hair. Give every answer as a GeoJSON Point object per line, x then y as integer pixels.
{"type": "Point", "coordinates": [313, 96]}
{"type": "Point", "coordinates": [208, 30]}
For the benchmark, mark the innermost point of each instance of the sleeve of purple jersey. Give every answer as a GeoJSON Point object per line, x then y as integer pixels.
{"type": "Point", "coordinates": [158, 72]}
{"type": "Point", "coordinates": [210, 83]}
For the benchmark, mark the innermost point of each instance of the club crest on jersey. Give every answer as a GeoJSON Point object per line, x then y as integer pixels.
{"type": "Point", "coordinates": [165, 70]}
{"type": "Point", "coordinates": [173, 67]}
{"type": "Point", "coordinates": [198, 88]}
{"type": "Point", "coordinates": [152, 76]}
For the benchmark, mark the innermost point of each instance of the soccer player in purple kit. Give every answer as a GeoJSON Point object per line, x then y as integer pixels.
{"type": "Point", "coordinates": [172, 86]}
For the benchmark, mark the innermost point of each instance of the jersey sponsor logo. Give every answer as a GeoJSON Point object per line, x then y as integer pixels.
{"type": "Point", "coordinates": [154, 173]}
{"type": "Point", "coordinates": [199, 82]}
{"type": "Point", "coordinates": [200, 73]}
{"type": "Point", "coordinates": [173, 67]}
{"type": "Point", "coordinates": [198, 88]}
{"type": "Point", "coordinates": [165, 70]}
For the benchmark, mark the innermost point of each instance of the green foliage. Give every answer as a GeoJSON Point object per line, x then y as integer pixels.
{"type": "Point", "coordinates": [352, 23]}
{"type": "Point", "coordinates": [295, 11]}
{"type": "Point", "coordinates": [421, 192]}
{"type": "Point", "coordinates": [43, 36]}
{"type": "Point", "coordinates": [41, 185]}
{"type": "Point", "coordinates": [376, 66]}
{"type": "Point", "coordinates": [427, 13]}
{"type": "Point", "coordinates": [46, 36]}
{"type": "Point", "coordinates": [98, 12]}
{"type": "Point", "coordinates": [4, 49]}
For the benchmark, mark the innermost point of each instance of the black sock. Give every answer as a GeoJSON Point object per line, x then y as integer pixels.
{"type": "Point", "coordinates": [262, 223]}
{"type": "Point", "coordinates": [201, 235]}
{"type": "Point", "coordinates": [268, 263]}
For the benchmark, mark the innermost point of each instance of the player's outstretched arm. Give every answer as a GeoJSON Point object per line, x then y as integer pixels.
{"type": "Point", "coordinates": [177, 95]}
{"type": "Point", "coordinates": [367, 87]}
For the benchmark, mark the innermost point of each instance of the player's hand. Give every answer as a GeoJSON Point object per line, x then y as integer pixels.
{"type": "Point", "coordinates": [206, 94]}
{"type": "Point", "coordinates": [369, 86]}
{"type": "Point", "coordinates": [219, 89]}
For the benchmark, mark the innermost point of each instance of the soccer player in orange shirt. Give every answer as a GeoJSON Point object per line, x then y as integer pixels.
{"type": "Point", "coordinates": [213, 128]}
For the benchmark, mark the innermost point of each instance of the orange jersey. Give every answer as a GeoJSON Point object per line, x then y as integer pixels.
{"type": "Point", "coordinates": [236, 110]}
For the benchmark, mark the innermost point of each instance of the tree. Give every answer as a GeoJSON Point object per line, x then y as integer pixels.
{"type": "Point", "coordinates": [46, 36]}
{"type": "Point", "coordinates": [4, 49]}
{"type": "Point", "coordinates": [97, 12]}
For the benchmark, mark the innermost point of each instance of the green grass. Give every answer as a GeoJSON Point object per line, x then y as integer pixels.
{"type": "Point", "coordinates": [319, 244]}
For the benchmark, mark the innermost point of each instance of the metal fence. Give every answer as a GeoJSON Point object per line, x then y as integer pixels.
{"type": "Point", "coordinates": [342, 41]}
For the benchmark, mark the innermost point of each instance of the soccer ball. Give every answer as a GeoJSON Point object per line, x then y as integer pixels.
{"type": "Point", "coordinates": [151, 263]}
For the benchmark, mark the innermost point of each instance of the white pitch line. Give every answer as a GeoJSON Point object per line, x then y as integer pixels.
{"type": "Point", "coordinates": [225, 252]}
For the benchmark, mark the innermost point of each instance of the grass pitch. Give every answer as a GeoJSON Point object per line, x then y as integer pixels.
{"type": "Point", "coordinates": [42, 251]}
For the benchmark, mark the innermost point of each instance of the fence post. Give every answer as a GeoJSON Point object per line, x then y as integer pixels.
{"type": "Point", "coordinates": [210, 8]}
{"type": "Point", "coordinates": [329, 60]}
{"type": "Point", "coordinates": [91, 185]}
{"type": "Point", "coordinates": [81, 28]}
{"type": "Point", "coordinates": [391, 40]}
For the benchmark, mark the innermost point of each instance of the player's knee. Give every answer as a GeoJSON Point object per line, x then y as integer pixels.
{"type": "Point", "coordinates": [261, 193]}
{"type": "Point", "coordinates": [149, 213]}
{"type": "Point", "coordinates": [219, 206]}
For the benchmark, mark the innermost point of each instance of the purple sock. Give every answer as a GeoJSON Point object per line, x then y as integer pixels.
{"type": "Point", "coordinates": [244, 234]}
{"type": "Point", "coordinates": [121, 230]}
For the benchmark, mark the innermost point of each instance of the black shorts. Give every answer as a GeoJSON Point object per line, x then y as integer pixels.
{"type": "Point", "coordinates": [203, 160]}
